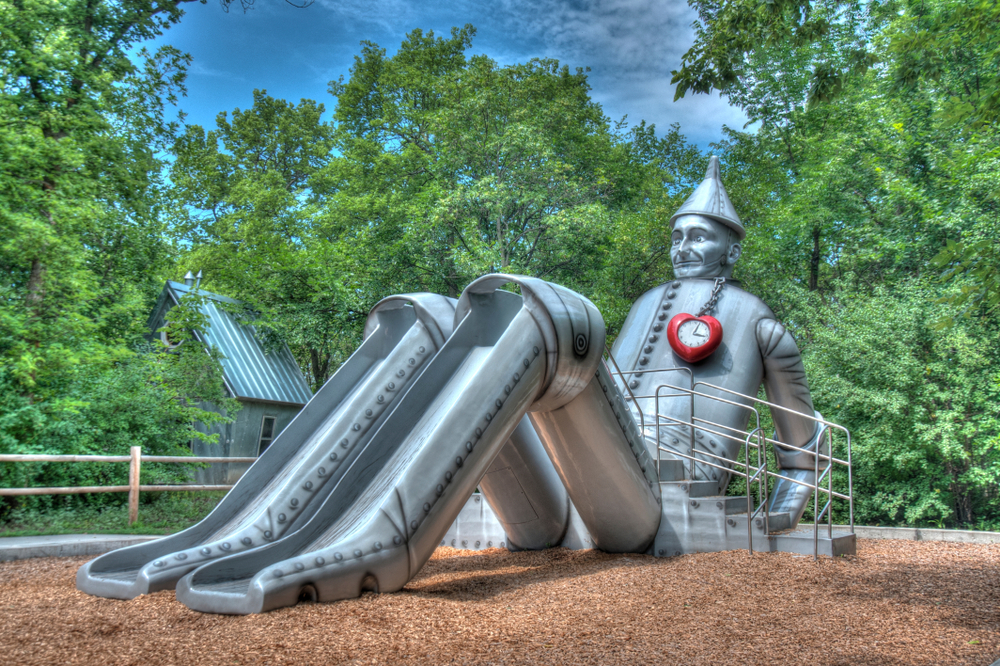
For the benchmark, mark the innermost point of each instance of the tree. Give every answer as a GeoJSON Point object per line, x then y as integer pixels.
{"type": "Point", "coordinates": [78, 175]}
{"type": "Point", "coordinates": [939, 60]}
{"type": "Point", "coordinates": [438, 168]}
{"type": "Point", "coordinates": [247, 195]}
{"type": "Point", "coordinates": [856, 179]}
{"type": "Point", "coordinates": [454, 167]}
{"type": "Point", "coordinates": [84, 250]}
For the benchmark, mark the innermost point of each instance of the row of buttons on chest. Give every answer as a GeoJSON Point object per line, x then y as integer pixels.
{"type": "Point", "coordinates": [657, 327]}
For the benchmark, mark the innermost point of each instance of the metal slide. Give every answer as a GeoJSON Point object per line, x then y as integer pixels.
{"type": "Point", "coordinates": [285, 487]}
{"type": "Point", "coordinates": [509, 354]}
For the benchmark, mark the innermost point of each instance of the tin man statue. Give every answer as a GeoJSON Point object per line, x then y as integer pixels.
{"type": "Point", "coordinates": [752, 348]}
{"type": "Point", "coordinates": [700, 331]}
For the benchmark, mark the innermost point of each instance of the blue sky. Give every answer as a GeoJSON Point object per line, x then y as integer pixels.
{"type": "Point", "coordinates": [630, 45]}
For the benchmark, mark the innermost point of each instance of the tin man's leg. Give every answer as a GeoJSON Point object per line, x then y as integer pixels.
{"type": "Point", "coordinates": [524, 490]}
{"type": "Point", "coordinates": [602, 459]}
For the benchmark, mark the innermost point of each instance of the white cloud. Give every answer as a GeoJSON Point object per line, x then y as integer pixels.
{"type": "Point", "coordinates": [631, 47]}
{"type": "Point", "coordinates": [384, 15]}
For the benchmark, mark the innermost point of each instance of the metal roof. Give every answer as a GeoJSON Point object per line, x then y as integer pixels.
{"type": "Point", "coordinates": [249, 371]}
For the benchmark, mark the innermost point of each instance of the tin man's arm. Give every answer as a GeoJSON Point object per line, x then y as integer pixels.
{"type": "Point", "coordinates": [785, 385]}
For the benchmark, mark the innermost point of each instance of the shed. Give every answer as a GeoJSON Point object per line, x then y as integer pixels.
{"type": "Point", "coordinates": [268, 384]}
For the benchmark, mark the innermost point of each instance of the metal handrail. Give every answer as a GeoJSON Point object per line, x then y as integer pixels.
{"type": "Point", "coordinates": [693, 394]}
{"type": "Point", "coordinates": [760, 473]}
{"type": "Point", "coordinates": [827, 425]}
{"type": "Point", "coordinates": [761, 485]}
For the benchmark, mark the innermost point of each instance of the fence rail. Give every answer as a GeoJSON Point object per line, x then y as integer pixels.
{"type": "Point", "coordinates": [135, 460]}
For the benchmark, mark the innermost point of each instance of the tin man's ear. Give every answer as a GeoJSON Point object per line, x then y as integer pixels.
{"type": "Point", "coordinates": [735, 252]}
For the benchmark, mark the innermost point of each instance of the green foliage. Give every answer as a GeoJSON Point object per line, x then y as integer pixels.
{"type": "Point", "coordinates": [438, 168]}
{"type": "Point", "coordinates": [148, 398]}
{"type": "Point", "coordinates": [84, 250]}
{"type": "Point", "coordinates": [246, 197]}
{"type": "Point", "coordinates": [921, 403]}
{"type": "Point", "coordinates": [159, 513]}
{"type": "Point", "coordinates": [472, 168]}
{"type": "Point", "coordinates": [82, 242]}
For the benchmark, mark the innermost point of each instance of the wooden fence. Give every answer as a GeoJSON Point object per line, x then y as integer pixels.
{"type": "Point", "coordinates": [134, 460]}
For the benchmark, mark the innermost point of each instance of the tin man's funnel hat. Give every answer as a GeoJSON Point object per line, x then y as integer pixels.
{"type": "Point", "coordinates": [710, 199]}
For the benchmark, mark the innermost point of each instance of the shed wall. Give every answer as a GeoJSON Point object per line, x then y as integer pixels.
{"type": "Point", "coordinates": [238, 439]}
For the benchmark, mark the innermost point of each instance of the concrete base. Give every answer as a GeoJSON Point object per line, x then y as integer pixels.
{"type": "Point", "coordinates": [710, 524]}
{"type": "Point", "coordinates": [923, 534]}
{"type": "Point", "coordinates": [477, 522]}
{"type": "Point", "coordinates": [65, 545]}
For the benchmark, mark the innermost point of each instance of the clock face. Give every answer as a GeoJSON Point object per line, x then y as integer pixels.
{"type": "Point", "coordinates": [693, 333]}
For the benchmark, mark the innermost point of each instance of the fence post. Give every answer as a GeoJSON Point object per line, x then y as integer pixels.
{"type": "Point", "coordinates": [135, 460]}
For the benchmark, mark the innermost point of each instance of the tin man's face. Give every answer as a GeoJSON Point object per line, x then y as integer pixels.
{"type": "Point", "coordinates": [702, 247]}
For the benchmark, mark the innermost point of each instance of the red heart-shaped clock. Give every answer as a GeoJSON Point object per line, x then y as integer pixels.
{"type": "Point", "coordinates": [694, 338]}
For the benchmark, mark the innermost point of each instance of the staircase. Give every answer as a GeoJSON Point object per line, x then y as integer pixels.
{"type": "Point", "coordinates": [696, 520]}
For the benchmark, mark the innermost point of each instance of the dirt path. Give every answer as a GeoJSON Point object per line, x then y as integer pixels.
{"type": "Point", "coordinates": [897, 602]}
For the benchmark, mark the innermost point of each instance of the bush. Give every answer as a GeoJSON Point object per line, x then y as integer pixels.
{"type": "Point", "coordinates": [147, 399]}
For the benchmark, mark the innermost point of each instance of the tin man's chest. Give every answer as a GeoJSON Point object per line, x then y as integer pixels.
{"type": "Point", "coordinates": [643, 348]}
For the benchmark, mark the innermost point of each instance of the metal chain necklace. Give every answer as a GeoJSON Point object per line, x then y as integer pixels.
{"type": "Point", "coordinates": [720, 282]}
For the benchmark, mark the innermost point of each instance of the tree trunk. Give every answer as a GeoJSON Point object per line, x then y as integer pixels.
{"type": "Point", "coordinates": [963, 502]}
{"type": "Point", "coordinates": [814, 262]}
{"type": "Point", "coordinates": [320, 367]}
{"type": "Point", "coordinates": [35, 286]}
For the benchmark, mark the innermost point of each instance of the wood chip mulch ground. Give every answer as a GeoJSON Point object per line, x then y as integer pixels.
{"type": "Point", "coordinates": [897, 602]}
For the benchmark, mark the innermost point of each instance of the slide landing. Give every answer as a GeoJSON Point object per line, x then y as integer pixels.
{"type": "Point", "coordinates": [290, 481]}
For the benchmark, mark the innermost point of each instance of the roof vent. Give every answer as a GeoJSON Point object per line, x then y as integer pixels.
{"type": "Point", "coordinates": [189, 278]}
{"type": "Point", "coordinates": [197, 281]}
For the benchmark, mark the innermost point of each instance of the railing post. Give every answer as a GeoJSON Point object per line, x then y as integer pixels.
{"type": "Point", "coordinates": [135, 460]}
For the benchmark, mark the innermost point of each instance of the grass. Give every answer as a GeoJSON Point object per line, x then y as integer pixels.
{"type": "Point", "coordinates": [159, 513]}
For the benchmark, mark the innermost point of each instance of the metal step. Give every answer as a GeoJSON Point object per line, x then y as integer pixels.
{"type": "Point", "coordinates": [800, 542]}
{"type": "Point", "coordinates": [687, 488]}
{"type": "Point", "coordinates": [776, 522]}
{"type": "Point", "coordinates": [731, 504]}
{"type": "Point", "coordinates": [695, 519]}
{"type": "Point", "coordinates": [672, 470]}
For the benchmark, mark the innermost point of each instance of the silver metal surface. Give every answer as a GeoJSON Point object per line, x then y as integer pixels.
{"type": "Point", "coordinates": [525, 490]}
{"type": "Point", "coordinates": [603, 461]}
{"type": "Point", "coordinates": [477, 528]}
{"type": "Point", "coordinates": [571, 326]}
{"type": "Point", "coordinates": [259, 510]}
{"type": "Point", "coordinates": [711, 200]}
{"type": "Point", "coordinates": [249, 371]}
